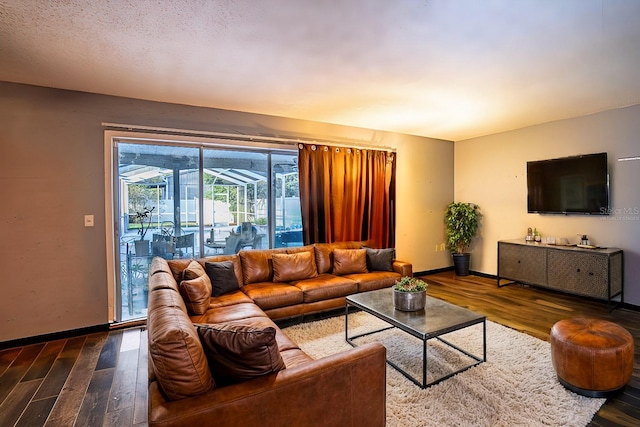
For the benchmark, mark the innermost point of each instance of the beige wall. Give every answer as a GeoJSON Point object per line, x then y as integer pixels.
{"type": "Point", "coordinates": [52, 174]}
{"type": "Point", "coordinates": [491, 172]}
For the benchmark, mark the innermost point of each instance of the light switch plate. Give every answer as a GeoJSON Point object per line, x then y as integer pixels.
{"type": "Point", "coordinates": [88, 220]}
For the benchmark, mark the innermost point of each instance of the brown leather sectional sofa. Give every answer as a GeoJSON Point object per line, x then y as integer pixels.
{"type": "Point", "coordinates": [345, 389]}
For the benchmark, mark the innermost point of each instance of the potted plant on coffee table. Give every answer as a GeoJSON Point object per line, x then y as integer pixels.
{"type": "Point", "coordinates": [409, 294]}
{"type": "Point", "coordinates": [142, 245]}
{"type": "Point", "coordinates": [461, 221]}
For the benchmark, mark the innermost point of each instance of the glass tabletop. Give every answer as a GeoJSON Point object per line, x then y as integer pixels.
{"type": "Point", "coordinates": [438, 317]}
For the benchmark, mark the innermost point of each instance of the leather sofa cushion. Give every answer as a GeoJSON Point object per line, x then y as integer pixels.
{"type": "Point", "coordinates": [380, 259]}
{"type": "Point", "coordinates": [165, 297]}
{"type": "Point", "coordinates": [324, 254]}
{"type": "Point", "coordinates": [269, 295]}
{"type": "Point", "coordinates": [230, 313]}
{"type": "Point", "coordinates": [193, 270]}
{"type": "Point", "coordinates": [238, 353]}
{"type": "Point", "coordinates": [326, 287]}
{"type": "Point", "coordinates": [256, 266]}
{"type": "Point", "coordinates": [296, 266]}
{"type": "Point", "coordinates": [349, 261]}
{"type": "Point", "coordinates": [223, 277]}
{"type": "Point", "coordinates": [158, 265]}
{"type": "Point", "coordinates": [161, 280]}
{"type": "Point", "coordinates": [196, 294]}
{"type": "Point", "coordinates": [177, 355]}
{"type": "Point", "coordinates": [374, 280]}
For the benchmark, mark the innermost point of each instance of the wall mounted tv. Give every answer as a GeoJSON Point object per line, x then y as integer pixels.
{"type": "Point", "coordinates": [569, 185]}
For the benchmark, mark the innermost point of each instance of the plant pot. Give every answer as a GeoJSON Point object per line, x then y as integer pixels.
{"type": "Point", "coordinates": [409, 301]}
{"type": "Point", "coordinates": [461, 264]}
{"type": "Point", "coordinates": [142, 247]}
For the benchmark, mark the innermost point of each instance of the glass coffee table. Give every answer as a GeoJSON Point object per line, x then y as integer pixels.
{"type": "Point", "coordinates": [437, 319]}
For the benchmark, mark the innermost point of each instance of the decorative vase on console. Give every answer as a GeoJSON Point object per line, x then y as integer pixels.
{"type": "Point", "coordinates": [409, 294]}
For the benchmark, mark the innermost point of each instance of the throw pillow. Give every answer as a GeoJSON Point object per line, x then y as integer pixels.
{"type": "Point", "coordinates": [349, 261]}
{"type": "Point", "coordinates": [196, 294]}
{"type": "Point", "coordinates": [238, 353]}
{"type": "Point", "coordinates": [380, 259]}
{"type": "Point", "coordinates": [222, 276]}
{"type": "Point", "coordinates": [193, 270]}
{"type": "Point", "coordinates": [295, 266]}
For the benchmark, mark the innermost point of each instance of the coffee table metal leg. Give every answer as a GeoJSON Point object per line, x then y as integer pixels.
{"type": "Point", "coordinates": [424, 364]}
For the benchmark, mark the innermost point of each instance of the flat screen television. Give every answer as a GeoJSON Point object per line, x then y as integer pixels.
{"type": "Point", "coordinates": [569, 185]}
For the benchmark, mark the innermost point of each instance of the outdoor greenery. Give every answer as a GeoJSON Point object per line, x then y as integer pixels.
{"type": "Point", "coordinates": [410, 284]}
{"type": "Point", "coordinates": [140, 196]}
{"type": "Point", "coordinates": [462, 221]}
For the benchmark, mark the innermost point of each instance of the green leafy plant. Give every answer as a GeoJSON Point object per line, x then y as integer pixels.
{"type": "Point", "coordinates": [410, 284]}
{"type": "Point", "coordinates": [462, 221]}
{"type": "Point", "coordinates": [142, 216]}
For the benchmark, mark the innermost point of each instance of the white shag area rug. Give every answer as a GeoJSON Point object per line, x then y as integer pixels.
{"type": "Point", "coordinates": [516, 386]}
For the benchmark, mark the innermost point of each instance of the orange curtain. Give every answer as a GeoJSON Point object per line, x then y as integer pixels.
{"type": "Point", "coordinates": [347, 194]}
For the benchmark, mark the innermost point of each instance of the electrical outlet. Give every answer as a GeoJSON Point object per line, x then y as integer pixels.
{"type": "Point", "coordinates": [88, 220]}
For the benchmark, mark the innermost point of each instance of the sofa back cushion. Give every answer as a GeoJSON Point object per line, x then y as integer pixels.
{"type": "Point", "coordinates": [324, 254]}
{"type": "Point", "coordinates": [256, 266]}
{"type": "Point", "coordinates": [177, 356]}
{"type": "Point", "coordinates": [349, 261]}
{"type": "Point", "coordinates": [295, 266]}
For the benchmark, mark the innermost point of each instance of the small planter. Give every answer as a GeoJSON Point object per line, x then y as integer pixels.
{"type": "Point", "coordinates": [142, 247]}
{"type": "Point", "coordinates": [409, 301]}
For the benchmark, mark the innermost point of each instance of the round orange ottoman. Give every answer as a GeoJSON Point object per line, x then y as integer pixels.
{"type": "Point", "coordinates": [591, 357]}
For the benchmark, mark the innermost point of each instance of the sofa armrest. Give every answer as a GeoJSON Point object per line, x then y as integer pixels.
{"type": "Point", "coordinates": [347, 388]}
{"type": "Point", "coordinates": [403, 267]}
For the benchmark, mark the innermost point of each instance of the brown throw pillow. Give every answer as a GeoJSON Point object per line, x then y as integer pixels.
{"type": "Point", "coordinates": [193, 270]}
{"type": "Point", "coordinates": [296, 266]}
{"type": "Point", "coordinates": [222, 276]}
{"type": "Point", "coordinates": [196, 294]}
{"type": "Point", "coordinates": [349, 261]}
{"type": "Point", "coordinates": [237, 353]}
{"type": "Point", "coordinates": [380, 259]}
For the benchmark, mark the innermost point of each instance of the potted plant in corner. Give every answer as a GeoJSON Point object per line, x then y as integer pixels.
{"type": "Point", "coordinates": [461, 221]}
{"type": "Point", "coordinates": [409, 294]}
{"type": "Point", "coordinates": [142, 245]}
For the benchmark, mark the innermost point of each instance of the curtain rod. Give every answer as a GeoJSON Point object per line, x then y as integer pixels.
{"type": "Point", "coordinates": [244, 137]}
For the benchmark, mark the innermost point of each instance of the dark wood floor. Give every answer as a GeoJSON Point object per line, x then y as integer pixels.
{"type": "Point", "coordinates": [101, 379]}
{"type": "Point", "coordinates": [534, 311]}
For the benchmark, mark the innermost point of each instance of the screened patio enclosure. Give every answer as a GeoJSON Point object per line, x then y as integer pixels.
{"type": "Point", "coordinates": [200, 201]}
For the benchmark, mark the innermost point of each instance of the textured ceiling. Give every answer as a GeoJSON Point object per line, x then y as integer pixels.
{"type": "Point", "coordinates": [450, 69]}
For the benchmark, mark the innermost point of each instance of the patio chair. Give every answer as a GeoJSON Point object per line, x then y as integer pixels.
{"type": "Point", "coordinates": [232, 244]}
{"type": "Point", "coordinates": [186, 241]}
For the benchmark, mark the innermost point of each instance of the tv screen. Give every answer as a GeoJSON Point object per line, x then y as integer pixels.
{"type": "Point", "coordinates": [570, 185]}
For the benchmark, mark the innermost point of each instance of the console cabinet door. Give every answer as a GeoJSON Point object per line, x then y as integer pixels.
{"type": "Point", "coordinates": [579, 273]}
{"type": "Point", "coordinates": [526, 264]}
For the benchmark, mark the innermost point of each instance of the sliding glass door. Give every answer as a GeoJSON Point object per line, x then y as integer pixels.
{"type": "Point", "coordinates": [159, 214]}
{"type": "Point", "coordinates": [178, 200]}
{"type": "Point", "coordinates": [235, 200]}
